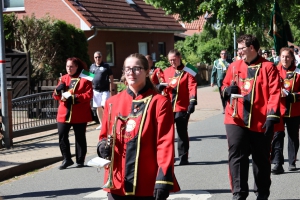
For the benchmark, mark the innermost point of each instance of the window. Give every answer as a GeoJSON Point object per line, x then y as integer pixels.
{"type": "Point", "coordinates": [110, 57]}
{"type": "Point", "coordinates": [161, 48]}
{"type": "Point", "coordinates": [13, 5]}
{"type": "Point", "coordinates": [143, 48]}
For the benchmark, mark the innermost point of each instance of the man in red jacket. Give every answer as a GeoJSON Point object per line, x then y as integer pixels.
{"type": "Point", "coordinates": [182, 91]}
{"type": "Point", "coordinates": [250, 119]}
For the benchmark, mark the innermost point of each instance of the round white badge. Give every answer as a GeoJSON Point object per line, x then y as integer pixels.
{"type": "Point", "coordinates": [247, 85]}
{"type": "Point", "coordinates": [130, 125]}
{"type": "Point", "coordinates": [101, 68]}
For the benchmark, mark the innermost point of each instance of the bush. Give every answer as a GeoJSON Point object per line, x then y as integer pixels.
{"type": "Point", "coordinates": [49, 41]}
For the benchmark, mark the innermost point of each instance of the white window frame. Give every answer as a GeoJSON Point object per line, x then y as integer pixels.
{"type": "Point", "coordinates": [112, 53]}
{"type": "Point", "coordinates": [13, 8]}
{"type": "Point", "coordinates": [143, 46]}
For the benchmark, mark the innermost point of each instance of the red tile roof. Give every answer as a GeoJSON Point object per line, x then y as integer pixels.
{"type": "Point", "coordinates": [117, 14]}
{"type": "Point", "coordinates": [195, 26]}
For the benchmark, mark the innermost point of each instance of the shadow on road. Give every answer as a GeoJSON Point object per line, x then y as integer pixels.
{"type": "Point", "coordinates": [206, 163]}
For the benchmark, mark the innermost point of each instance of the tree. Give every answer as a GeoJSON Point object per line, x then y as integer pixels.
{"type": "Point", "coordinates": [239, 12]}
{"type": "Point", "coordinates": [49, 41]}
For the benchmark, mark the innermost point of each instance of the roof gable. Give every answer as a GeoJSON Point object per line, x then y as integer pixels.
{"type": "Point", "coordinates": [118, 14]}
{"type": "Point", "coordinates": [195, 26]}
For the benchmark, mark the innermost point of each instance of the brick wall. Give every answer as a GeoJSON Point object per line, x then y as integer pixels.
{"type": "Point", "coordinates": [55, 8]}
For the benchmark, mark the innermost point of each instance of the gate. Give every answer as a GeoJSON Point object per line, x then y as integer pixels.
{"type": "Point", "coordinates": [17, 73]}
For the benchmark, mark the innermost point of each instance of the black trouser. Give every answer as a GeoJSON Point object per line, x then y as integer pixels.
{"type": "Point", "coordinates": [222, 98]}
{"type": "Point", "coordinates": [117, 197]}
{"type": "Point", "coordinates": [241, 143]}
{"type": "Point", "coordinates": [80, 141]}
{"type": "Point", "coordinates": [183, 143]}
{"type": "Point", "coordinates": [292, 126]}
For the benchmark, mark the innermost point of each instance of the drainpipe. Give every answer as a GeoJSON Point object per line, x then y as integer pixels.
{"type": "Point", "coordinates": [95, 33]}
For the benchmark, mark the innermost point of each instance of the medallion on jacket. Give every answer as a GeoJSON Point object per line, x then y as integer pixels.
{"type": "Point", "coordinates": [72, 87]}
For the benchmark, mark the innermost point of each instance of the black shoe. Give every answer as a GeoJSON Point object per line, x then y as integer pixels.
{"type": "Point", "coordinates": [238, 196]}
{"type": "Point", "coordinates": [277, 169]}
{"type": "Point", "coordinates": [184, 162]}
{"type": "Point", "coordinates": [65, 164]}
{"type": "Point", "coordinates": [262, 197]}
{"type": "Point", "coordinates": [292, 168]}
{"type": "Point", "coordinates": [79, 165]}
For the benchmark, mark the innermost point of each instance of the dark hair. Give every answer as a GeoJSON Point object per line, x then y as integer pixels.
{"type": "Point", "coordinates": [149, 57]}
{"type": "Point", "coordinates": [249, 40]}
{"type": "Point", "coordinates": [144, 63]}
{"type": "Point", "coordinates": [79, 63]}
{"type": "Point", "coordinates": [290, 52]}
{"type": "Point", "coordinates": [174, 51]}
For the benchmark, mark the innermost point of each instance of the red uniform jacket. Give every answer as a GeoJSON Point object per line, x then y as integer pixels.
{"type": "Point", "coordinates": [260, 87]}
{"type": "Point", "coordinates": [156, 75]}
{"type": "Point", "coordinates": [290, 81]}
{"type": "Point", "coordinates": [182, 88]}
{"type": "Point", "coordinates": [80, 110]}
{"type": "Point", "coordinates": [144, 144]}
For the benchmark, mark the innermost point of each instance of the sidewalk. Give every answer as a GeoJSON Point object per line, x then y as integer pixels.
{"type": "Point", "coordinates": [41, 149]}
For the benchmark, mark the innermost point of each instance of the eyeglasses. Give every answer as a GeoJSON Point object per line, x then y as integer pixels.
{"type": "Point", "coordinates": [241, 49]}
{"type": "Point", "coordinates": [223, 53]}
{"type": "Point", "coordinates": [98, 57]}
{"type": "Point", "coordinates": [134, 70]}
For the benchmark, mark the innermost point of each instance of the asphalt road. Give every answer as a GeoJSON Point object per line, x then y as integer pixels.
{"type": "Point", "coordinates": [205, 178]}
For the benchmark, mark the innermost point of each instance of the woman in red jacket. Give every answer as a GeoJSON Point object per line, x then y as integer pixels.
{"type": "Point", "coordinates": [141, 121]}
{"type": "Point", "coordinates": [290, 112]}
{"type": "Point", "coordinates": [74, 95]}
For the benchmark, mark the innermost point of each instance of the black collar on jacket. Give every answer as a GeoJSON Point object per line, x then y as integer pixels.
{"type": "Point", "coordinates": [143, 90]}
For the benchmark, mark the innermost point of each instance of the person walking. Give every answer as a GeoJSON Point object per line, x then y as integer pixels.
{"type": "Point", "coordinates": [156, 74]}
{"type": "Point", "coordinates": [249, 120]}
{"type": "Point", "coordinates": [274, 58]}
{"type": "Point", "coordinates": [74, 95]}
{"type": "Point", "coordinates": [290, 111]}
{"type": "Point", "coordinates": [219, 71]}
{"type": "Point", "coordinates": [182, 92]}
{"type": "Point", "coordinates": [140, 121]}
{"type": "Point", "coordinates": [102, 84]}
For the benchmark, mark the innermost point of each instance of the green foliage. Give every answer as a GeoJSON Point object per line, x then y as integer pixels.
{"type": "Point", "coordinates": [242, 13]}
{"type": "Point", "coordinates": [163, 63]}
{"type": "Point", "coordinates": [296, 34]}
{"type": "Point", "coordinates": [49, 41]}
{"type": "Point", "coordinates": [121, 86]}
{"type": "Point", "coordinates": [72, 44]}
{"type": "Point", "coordinates": [210, 51]}
{"type": "Point", "coordinates": [9, 23]}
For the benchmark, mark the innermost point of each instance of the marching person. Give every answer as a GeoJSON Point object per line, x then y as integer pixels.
{"type": "Point", "coordinates": [274, 58]}
{"type": "Point", "coordinates": [73, 111]}
{"type": "Point", "coordinates": [141, 121]}
{"type": "Point", "coordinates": [249, 121]}
{"type": "Point", "coordinates": [219, 70]}
{"type": "Point", "coordinates": [102, 84]}
{"type": "Point", "coordinates": [182, 91]}
{"type": "Point", "coordinates": [156, 74]}
{"type": "Point", "coordinates": [265, 54]}
{"type": "Point", "coordinates": [290, 111]}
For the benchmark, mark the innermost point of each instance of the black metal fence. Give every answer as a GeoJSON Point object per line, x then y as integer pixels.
{"type": "Point", "coordinates": [33, 113]}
